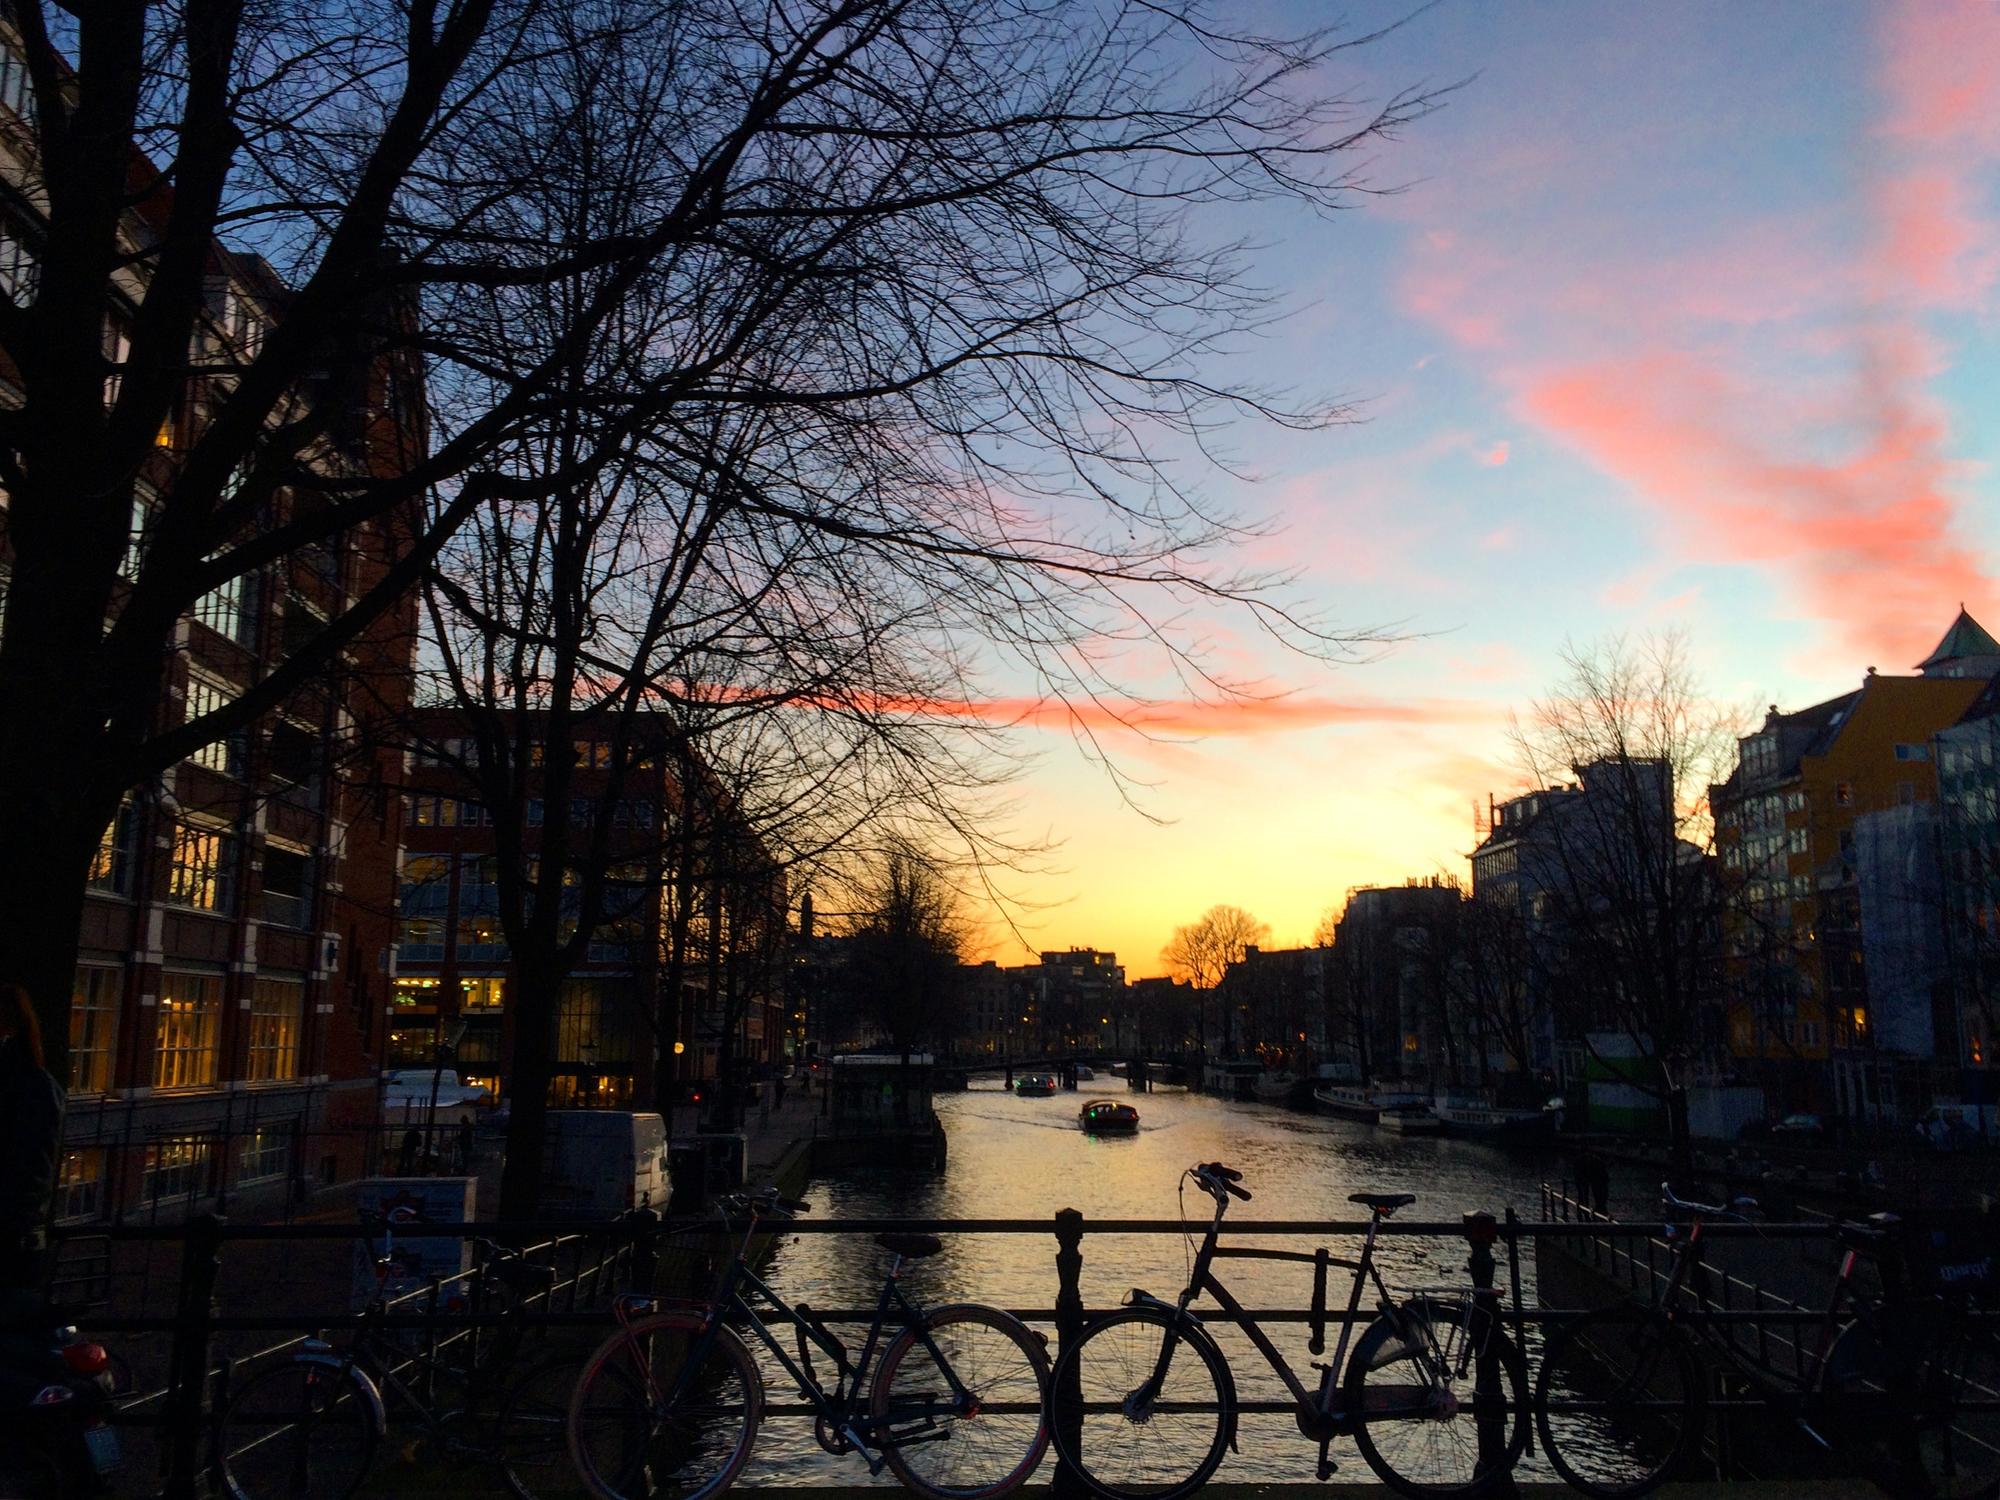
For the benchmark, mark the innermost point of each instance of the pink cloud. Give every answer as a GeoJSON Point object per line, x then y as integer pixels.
{"type": "Point", "coordinates": [1765, 389]}
{"type": "Point", "coordinates": [1494, 457]}
{"type": "Point", "coordinates": [1868, 536]}
{"type": "Point", "coordinates": [1240, 717]}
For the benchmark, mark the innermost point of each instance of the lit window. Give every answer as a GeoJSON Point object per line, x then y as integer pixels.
{"type": "Point", "coordinates": [176, 1168]}
{"type": "Point", "coordinates": [80, 1186]}
{"type": "Point", "coordinates": [206, 696]}
{"type": "Point", "coordinates": [184, 1054]}
{"type": "Point", "coordinates": [202, 871]}
{"type": "Point", "coordinates": [111, 866]}
{"type": "Point", "coordinates": [276, 1006]}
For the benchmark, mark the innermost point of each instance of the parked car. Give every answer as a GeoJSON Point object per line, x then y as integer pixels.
{"type": "Point", "coordinates": [1810, 1129]}
{"type": "Point", "coordinates": [409, 1091]}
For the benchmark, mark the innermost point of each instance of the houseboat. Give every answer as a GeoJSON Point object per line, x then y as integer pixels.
{"type": "Point", "coordinates": [1410, 1118]}
{"type": "Point", "coordinates": [1107, 1117]}
{"type": "Point", "coordinates": [1366, 1102]}
{"type": "Point", "coordinates": [1480, 1119]}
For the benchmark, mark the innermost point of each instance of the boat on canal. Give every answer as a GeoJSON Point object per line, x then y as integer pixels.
{"type": "Point", "coordinates": [1409, 1118]}
{"type": "Point", "coordinates": [1108, 1117]}
{"type": "Point", "coordinates": [1367, 1102]}
{"type": "Point", "coordinates": [1274, 1088]}
{"type": "Point", "coordinates": [1035, 1085]}
{"type": "Point", "coordinates": [1480, 1119]}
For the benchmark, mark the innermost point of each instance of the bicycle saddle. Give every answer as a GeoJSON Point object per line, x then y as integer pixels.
{"type": "Point", "coordinates": [1382, 1203]}
{"type": "Point", "coordinates": [910, 1246]}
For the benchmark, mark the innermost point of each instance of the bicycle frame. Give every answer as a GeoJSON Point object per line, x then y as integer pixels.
{"type": "Point", "coordinates": [843, 1409]}
{"type": "Point", "coordinates": [1323, 1414]}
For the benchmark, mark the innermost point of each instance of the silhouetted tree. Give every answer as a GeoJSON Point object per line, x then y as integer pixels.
{"type": "Point", "coordinates": [1201, 953]}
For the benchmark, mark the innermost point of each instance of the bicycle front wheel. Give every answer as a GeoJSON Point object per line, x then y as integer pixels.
{"type": "Point", "coordinates": [1132, 1436]}
{"type": "Point", "coordinates": [665, 1411]}
{"type": "Point", "coordinates": [1421, 1420]}
{"type": "Point", "coordinates": [302, 1428]}
{"type": "Point", "coordinates": [1618, 1402]}
{"type": "Point", "coordinates": [531, 1433]}
{"type": "Point", "coordinates": [986, 1442]}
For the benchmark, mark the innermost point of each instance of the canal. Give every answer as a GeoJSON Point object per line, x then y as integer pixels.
{"type": "Point", "coordinates": [1026, 1158]}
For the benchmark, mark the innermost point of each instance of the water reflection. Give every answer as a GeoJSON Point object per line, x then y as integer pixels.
{"type": "Point", "coordinates": [1026, 1158]}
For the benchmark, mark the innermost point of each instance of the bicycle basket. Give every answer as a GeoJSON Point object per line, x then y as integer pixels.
{"type": "Point", "coordinates": [1953, 1256]}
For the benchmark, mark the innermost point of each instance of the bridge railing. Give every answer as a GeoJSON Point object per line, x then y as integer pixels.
{"type": "Point", "coordinates": [210, 1349]}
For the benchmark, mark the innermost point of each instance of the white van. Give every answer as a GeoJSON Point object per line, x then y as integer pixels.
{"type": "Point", "coordinates": [597, 1163]}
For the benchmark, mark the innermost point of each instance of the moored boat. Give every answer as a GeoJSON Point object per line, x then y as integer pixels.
{"type": "Point", "coordinates": [1035, 1085]}
{"type": "Point", "coordinates": [1409, 1119]}
{"type": "Point", "coordinates": [1274, 1088]}
{"type": "Point", "coordinates": [1480, 1120]}
{"type": "Point", "coordinates": [1368, 1103]}
{"type": "Point", "coordinates": [1085, 1073]}
{"type": "Point", "coordinates": [1108, 1117]}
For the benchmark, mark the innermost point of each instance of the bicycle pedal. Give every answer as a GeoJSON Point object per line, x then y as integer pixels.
{"type": "Point", "coordinates": [1319, 1364]}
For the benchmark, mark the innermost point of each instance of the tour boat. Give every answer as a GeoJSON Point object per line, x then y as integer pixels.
{"type": "Point", "coordinates": [1107, 1117]}
{"type": "Point", "coordinates": [1035, 1085]}
{"type": "Point", "coordinates": [1482, 1121]}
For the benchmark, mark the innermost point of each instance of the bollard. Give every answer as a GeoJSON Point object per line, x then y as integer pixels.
{"type": "Point", "coordinates": [1069, 1326]}
{"type": "Point", "coordinates": [1490, 1391]}
{"type": "Point", "coordinates": [187, 1379]}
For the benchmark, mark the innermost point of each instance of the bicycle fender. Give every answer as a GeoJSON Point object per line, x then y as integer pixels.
{"type": "Point", "coordinates": [371, 1394]}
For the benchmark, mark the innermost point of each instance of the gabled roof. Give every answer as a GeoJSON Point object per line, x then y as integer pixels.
{"type": "Point", "coordinates": [1967, 637]}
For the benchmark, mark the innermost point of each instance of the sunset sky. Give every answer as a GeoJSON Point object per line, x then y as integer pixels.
{"type": "Point", "coordinates": [1685, 316]}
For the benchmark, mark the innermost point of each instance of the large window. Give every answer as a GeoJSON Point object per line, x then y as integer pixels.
{"type": "Point", "coordinates": [80, 1186]}
{"type": "Point", "coordinates": [206, 696]}
{"type": "Point", "coordinates": [230, 609]}
{"type": "Point", "coordinates": [190, 1013]}
{"type": "Point", "coordinates": [288, 886]}
{"type": "Point", "coordinates": [292, 753]}
{"type": "Point", "coordinates": [20, 272]}
{"type": "Point", "coordinates": [202, 873]}
{"type": "Point", "coordinates": [276, 1006]}
{"type": "Point", "coordinates": [176, 1169]}
{"type": "Point", "coordinates": [17, 89]}
{"type": "Point", "coordinates": [111, 866]}
{"type": "Point", "coordinates": [93, 1027]}
{"type": "Point", "coordinates": [267, 1154]}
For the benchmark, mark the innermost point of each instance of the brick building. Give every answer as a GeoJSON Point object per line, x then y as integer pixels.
{"type": "Point", "coordinates": [225, 1033]}
{"type": "Point", "coordinates": [453, 971]}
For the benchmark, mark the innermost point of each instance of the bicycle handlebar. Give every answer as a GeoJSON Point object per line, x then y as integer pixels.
{"type": "Point", "coordinates": [1213, 1175]}
{"type": "Point", "coordinates": [1735, 1209]}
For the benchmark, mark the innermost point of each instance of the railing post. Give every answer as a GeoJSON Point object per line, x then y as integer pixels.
{"type": "Point", "coordinates": [201, 1262]}
{"type": "Point", "coordinates": [1489, 1390]}
{"type": "Point", "coordinates": [645, 1250]}
{"type": "Point", "coordinates": [1067, 1400]}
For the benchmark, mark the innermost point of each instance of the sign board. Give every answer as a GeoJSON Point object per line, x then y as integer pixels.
{"type": "Point", "coordinates": [418, 1257]}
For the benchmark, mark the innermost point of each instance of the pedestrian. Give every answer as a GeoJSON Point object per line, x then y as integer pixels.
{"type": "Point", "coordinates": [778, 1091]}
{"type": "Point", "coordinates": [31, 1106]}
{"type": "Point", "coordinates": [406, 1157]}
{"type": "Point", "coordinates": [465, 1143]}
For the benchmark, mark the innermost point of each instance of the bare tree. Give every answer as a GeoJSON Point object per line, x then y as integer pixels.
{"type": "Point", "coordinates": [1201, 953]}
{"type": "Point", "coordinates": [1627, 894]}
{"type": "Point", "coordinates": [956, 230]}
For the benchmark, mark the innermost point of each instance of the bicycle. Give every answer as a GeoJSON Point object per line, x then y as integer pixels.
{"type": "Point", "coordinates": [1434, 1394]}
{"type": "Point", "coordinates": [1906, 1383]}
{"type": "Point", "coordinates": [310, 1425]}
{"type": "Point", "coordinates": [671, 1403]}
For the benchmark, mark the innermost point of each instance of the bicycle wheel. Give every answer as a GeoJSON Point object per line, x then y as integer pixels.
{"type": "Point", "coordinates": [531, 1433]}
{"type": "Point", "coordinates": [1941, 1442]}
{"type": "Point", "coordinates": [939, 1447]}
{"type": "Point", "coordinates": [1126, 1447]}
{"type": "Point", "coordinates": [299, 1429]}
{"type": "Point", "coordinates": [644, 1425]}
{"type": "Point", "coordinates": [1418, 1411]}
{"type": "Point", "coordinates": [1618, 1402]}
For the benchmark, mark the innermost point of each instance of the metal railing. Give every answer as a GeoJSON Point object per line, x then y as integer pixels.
{"type": "Point", "coordinates": [596, 1259]}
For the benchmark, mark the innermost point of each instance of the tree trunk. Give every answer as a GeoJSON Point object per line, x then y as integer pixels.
{"type": "Point", "coordinates": [538, 982]}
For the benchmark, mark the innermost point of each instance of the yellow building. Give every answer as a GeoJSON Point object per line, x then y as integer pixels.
{"type": "Point", "coordinates": [1786, 819]}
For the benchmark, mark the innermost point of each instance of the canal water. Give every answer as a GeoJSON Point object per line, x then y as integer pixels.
{"type": "Point", "coordinates": [1025, 1158]}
